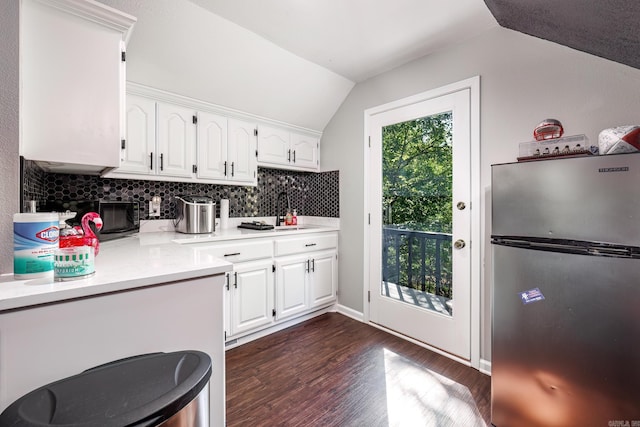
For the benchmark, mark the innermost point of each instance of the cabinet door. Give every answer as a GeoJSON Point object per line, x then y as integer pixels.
{"type": "Point", "coordinates": [140, 138]}
{"type": "Point", "coordinates": [71, 83]}
{"type": "Point", "coordinates": [251, 287]}
{"type": "Point", "coordinates": [176, 140]}
{"type": "Point", "coordinates": [304, 151]}
{"type": "Point", "coordinates": [241, 155]}
{"type": "Point", "coordinates": [323, 278]}
{"type": "Point", "coordinates": [212, 146]}
{"type": "Point", "coordinates": [273, 146]}
{"type": "Point", "coordinates": [291, 286]}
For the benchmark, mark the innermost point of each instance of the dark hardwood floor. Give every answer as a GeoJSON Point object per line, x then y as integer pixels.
{"type": "Point", "coordinates": [335, 371]}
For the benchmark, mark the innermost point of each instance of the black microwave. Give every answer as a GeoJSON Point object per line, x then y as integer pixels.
{"type": "Point", "coordinates": [118, 218]}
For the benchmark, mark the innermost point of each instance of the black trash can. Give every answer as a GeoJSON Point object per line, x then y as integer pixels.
{"type": "Point", "coordinates": [158, 389]}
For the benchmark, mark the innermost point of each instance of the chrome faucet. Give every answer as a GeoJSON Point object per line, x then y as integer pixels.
{"type": "Point", "coordinates": [279, 208]}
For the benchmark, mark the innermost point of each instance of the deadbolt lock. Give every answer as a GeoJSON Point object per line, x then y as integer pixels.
{"type": "Point", "coordinates": [459, 244]}
{"type": "Point", "coordinates": [461, 206]}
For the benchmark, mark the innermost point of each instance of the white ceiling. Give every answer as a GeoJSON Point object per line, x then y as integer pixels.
{"type": "Point", "coordinates": [358, 39]}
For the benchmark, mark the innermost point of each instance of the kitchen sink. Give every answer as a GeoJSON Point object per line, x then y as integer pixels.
{"type": "Point", "coordinates": [290, 227]}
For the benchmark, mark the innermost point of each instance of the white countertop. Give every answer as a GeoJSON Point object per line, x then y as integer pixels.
{"type": "Point", "coordinates": [122, 264]}
{"type": "Point", "coordinates": [140, 260]}
{"type": "Point", "coordinates": [242, 233]}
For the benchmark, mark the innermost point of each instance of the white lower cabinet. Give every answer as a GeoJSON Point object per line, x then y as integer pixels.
{"type": "Point", "coordinates": [292, 286]}
{"type": "Point", "coordinates": [249, 297]}
{"type": "Point", "coordinates": [276, 279]}
{"type": "Point", "coordinates": [323, 278]}
{"type": "Point", "coordinates": [304, 282]}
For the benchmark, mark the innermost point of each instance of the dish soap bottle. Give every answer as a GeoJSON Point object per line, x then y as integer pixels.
{"type": "Point", "coordinates": [294, 218]}
{"type": "Point", "coordinates": [288, 218]}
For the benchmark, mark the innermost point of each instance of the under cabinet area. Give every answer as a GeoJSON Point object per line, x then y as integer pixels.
{"type": "Point", "coordinates": [276, 280]}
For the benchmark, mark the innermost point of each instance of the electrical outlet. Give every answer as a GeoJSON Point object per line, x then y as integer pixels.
{"type": "Point", "coordinates": [154, 209]}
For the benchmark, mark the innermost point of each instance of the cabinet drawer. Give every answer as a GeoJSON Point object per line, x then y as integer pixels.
{"type": "Point", "coordinates": [238, 252]}
{"type": "Point", "coordinates": [312, 242]}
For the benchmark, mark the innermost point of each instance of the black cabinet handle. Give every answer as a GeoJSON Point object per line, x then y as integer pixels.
{"type": "Point", "coordinates": [225, 168]}
{"type": "Point", "coordinates": [236, 279]}
{"type": "Point", "coordinates": [294, 156]}
{"type": "Point", "coordinates": [310, 244]}
{"type": "Point", "coordinates": [232, 164]}
{"type": "Point", "coordinates": [161, 161]}
{"type": "Point", "coordinates": [289, 156]}
{"type": "Point", "coordinates": [227, 276]}
{"type": "Point", "coordinates": [233, 254]}
{"type": "Point", "coordinates": [308, 264]}
{"type": "Point", "coordinates": [151, 163]}
{"type": "Point", "coordinates": [313, 265]}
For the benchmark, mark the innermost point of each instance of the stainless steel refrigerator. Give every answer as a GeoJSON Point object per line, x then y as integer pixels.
{"type": "Point", "coordinates": [566, 292]}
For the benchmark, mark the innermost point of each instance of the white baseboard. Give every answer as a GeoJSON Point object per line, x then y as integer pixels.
{"type": "Point", "coordinates": [485, 366]}
{"type": "Point", "coordinates": [349, 312]}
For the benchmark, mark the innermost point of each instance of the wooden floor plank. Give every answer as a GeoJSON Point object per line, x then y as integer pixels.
{"type": "Point", "coordinates": [335, 371]}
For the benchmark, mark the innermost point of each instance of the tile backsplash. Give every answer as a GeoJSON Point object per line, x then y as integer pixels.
{"type": "Point", "coordinates": [311, 194]}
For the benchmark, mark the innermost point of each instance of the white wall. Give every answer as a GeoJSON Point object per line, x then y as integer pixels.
{"type": "Point", "coordinates": [523, 81]}
{"type": "Point", "coordinates": [9, 131]}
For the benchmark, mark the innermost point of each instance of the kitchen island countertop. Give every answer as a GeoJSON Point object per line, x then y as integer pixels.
{"type": "Point", "coordinates": [141, 260]}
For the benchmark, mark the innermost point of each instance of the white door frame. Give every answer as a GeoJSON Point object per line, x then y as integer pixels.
{"type": "Point", "coordinates": [473, 84]}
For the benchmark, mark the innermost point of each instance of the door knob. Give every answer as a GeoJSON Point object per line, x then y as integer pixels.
{"type": "Point", "coordinates": [459, 244]}
{"type": "Point", "coordinates": [461, 206]}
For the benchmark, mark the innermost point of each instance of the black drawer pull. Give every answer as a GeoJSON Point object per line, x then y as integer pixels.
{"type": "Point", "coordinates": [233, 254]}
{"type": "Point", "coordinates": [310, 244]}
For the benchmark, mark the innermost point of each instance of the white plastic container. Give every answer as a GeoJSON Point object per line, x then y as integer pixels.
{"type": "Point", "coordinates": [35, 240]}
{"type": "Point", "coordinates": [76, 262]}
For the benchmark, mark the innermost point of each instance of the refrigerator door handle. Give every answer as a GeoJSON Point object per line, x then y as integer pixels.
{"type": "Point", "coordinates": [578, 247]}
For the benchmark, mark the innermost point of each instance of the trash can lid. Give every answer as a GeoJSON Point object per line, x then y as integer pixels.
{"type": "Point", "coordinates": [138, 391]}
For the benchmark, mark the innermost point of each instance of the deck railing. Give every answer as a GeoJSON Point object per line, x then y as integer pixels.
{"type": "Point", "coordinates": [417, 259]}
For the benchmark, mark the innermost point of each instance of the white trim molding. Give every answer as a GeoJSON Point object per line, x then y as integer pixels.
{"type": "Point", "coordinates": [473, 84]}
{"type": "Point", "coordinates": [349, 312]}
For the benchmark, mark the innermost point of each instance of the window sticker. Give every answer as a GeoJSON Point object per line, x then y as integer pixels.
{"type": "Point", "coordinates": [532, 295]}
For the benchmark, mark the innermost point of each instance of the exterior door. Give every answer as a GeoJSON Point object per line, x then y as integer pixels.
{"type": "Point", "coordinates": [419, 199]}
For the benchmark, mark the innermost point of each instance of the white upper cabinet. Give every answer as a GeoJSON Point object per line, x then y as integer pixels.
{"type": "Point", "coordinates": [160, 140]}
{"type": "Point", "coordinates": [226, 149]}
{"type": "Point", "coordinates": [140, 136]}
{"type": "Point", "coordinates": [72, 84]}
{"type": "Point", "coordinates": [212, 146]}
{"type": "Point", "coordinates": [176, 140]}
{"type": "Point", "coordinates": [242, 151]}
{"type": "Point", "coordinates": [286, 149]}
{"type": "Point", "coordinates": [273, 146]}
{"type": "Point", "coordinates": [305, 151]}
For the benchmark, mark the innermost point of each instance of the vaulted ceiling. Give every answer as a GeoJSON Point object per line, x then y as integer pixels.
{"type": "Point", "coordinates": [296, 61]}
{"type": "Point", "coordinates": [358, 39]}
